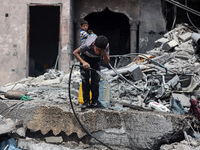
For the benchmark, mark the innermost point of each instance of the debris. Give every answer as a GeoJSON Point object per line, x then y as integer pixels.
{"type": "Point", "coordinates": [135, 107]}
{"type": "Point", "coordinates": [196, 38]}
{"type": "Point", "coordinates": [168, 46]}
{"type": "Point", "coordinates": [15, 94]}
{"type": "Point", "coordinates": [184, 100]}
{"type": "Point", "coordinates": [165, 80]}
{"type": "Point", "coordinates": [176, 106]}
{"type": "Point", "coordinates": [7, 125]}
{"type": "Point", "coordinates": [158, 107]}
{"type": "Point", "coordinates": [195, 108]}
{"type": "Point", "coordinates": [54, 139]}
{"type": "Point", "coordinates": [135, 73]}
{"type": "Point", "coordinates": [10, 144]}
{"type": "Point", "coordinates": [25, 98]}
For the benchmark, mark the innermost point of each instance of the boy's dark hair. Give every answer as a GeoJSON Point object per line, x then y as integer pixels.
{"type": "Point", "coordinates": [101, 42]}
{"type": "Point", "coordinates": [83, 22]}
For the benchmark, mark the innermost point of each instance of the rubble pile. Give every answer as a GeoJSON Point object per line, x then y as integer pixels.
{"type": "Point", "coordinates": [165, 80]}
{"type": "Point", "coordinates": [170, 70]}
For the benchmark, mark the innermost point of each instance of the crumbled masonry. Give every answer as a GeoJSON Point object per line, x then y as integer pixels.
{"type": "Point", "coordinates": [167, 75]}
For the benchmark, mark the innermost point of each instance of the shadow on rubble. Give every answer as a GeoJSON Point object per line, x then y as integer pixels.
{"type": "Point", "coordinates": [71, 141]}
{"type": "Point", "coordinates": [40, 136]}
{"type": "Point", "coordinates": [4, 137]}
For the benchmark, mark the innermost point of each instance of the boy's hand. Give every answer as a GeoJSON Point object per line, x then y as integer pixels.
{"type": "Point", "coordinates": [86, 66]}
{"type": "Point", "coordinates": [106, 57]}
{"type": "Point", "coordinates": [103, 51]}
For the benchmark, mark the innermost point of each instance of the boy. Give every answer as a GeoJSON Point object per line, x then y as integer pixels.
{"type": "Point", "coordinates": [89, 55]}
{"type": "Point", "coordinates": [83, 34]}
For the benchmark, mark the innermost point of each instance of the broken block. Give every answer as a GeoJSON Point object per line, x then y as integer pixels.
{"type": "Point", "coordinates": [54, 139]}
{"type": "Point", "coordinates": [185, 36]}
{"type": "Point", "coordinates": [135, 73]}
{"type": "Point", "coordinates": [160, 42]}
{"type": "Point", "coordinates": [168, 46]}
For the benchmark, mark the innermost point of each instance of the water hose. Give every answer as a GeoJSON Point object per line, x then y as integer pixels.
{"type": "Point", "coordinates": [103, 75]}
{"type": "Point", "coordinates": [69, 91]}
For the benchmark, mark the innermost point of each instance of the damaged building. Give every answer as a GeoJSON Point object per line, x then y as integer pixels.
{"type": "Point", "coordinates": [153, 77]}
{"type": "Point", "coordinates": [40, 35]}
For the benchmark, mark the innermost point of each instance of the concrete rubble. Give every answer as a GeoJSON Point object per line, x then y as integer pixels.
{"type": "Point", "coordinates": [141, 114]}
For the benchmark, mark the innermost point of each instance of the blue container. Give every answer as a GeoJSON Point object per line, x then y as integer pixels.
{"type": "Point", "coordinates": [104, 93]}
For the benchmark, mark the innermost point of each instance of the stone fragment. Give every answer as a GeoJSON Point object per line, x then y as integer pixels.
{"type": "Point", "coordinates": [7, 125]}
{"type": "Point", "coordinates": [168, 46]}
{"type": "Point", "coordinates": [135, 73]}
{"type": "Point", "coordinates": [54, 139]}
{"type": "Point", "coordinates": [160, 42]}
{"type": "Point", "coordinates": [21, 132]}
{"type": "Point", "coordinates": [185, 36]}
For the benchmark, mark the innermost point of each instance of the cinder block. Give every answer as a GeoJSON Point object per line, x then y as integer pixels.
{"type": "Point", "coordinates": [135, 73]}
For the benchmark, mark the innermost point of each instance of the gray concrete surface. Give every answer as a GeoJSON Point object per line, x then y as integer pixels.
{"type": "Point", "coordinates": [126, 129]}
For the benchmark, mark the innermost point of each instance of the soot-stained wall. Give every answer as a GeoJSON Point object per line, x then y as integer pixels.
{"type": "Point", "coordinates": [131, 25]}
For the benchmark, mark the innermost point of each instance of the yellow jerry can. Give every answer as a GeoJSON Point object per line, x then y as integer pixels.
{"type": "Point", "coordinates": [80, 98]}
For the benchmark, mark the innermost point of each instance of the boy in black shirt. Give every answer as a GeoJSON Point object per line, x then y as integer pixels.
{"type": "Point", "coordinates": [89, 55]}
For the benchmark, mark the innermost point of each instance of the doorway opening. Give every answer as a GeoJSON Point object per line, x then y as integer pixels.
{"type": "Point", "coordinates": [44, 22]}
{"type": "Point", "coordinates": [115, 26]}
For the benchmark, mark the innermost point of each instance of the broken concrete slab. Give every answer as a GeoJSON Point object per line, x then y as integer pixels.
{"type": "Point", "coordinates": [128, 129]}
{"type": "Point", "coordinates": [57, 120]}
{"type": "Point", "coordinates": [143, 127]}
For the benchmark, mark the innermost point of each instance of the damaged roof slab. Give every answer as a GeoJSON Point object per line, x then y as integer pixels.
{"type": "Point", "coordinates": [128, 129]}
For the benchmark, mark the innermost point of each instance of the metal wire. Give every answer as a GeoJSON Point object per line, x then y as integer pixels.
{"type": "Point", "coordinates": [184, 7]}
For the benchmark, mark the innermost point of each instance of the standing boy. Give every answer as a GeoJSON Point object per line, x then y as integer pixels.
{"type": "Point", "coordinates": [89, 54]}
